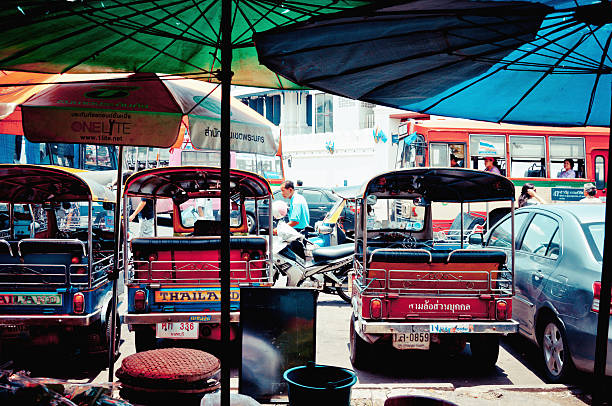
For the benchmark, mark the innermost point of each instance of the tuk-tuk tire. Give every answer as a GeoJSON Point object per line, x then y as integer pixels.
{"type": "Point", "coordinates": [144, 339]}
{"type": "Point", "coordinates": [359, 349]}
{"type": "Point", "coordinates": [485, 350]}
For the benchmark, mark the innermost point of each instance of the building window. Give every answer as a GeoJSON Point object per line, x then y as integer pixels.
{"type": "Point", "coordinates": [324, 117]}
{"type": "Point", "coordinates": [344, 102]}
{"type": "Point", "coordinates": [562, 148]}
{"type": "Point", "coordinates": [527, 157]}
{"type": "Point", "coordinates": [309, 110]}
{"type": "Point", "coordinates": [482, 146]}
{"type": "Point", "coordinates": [273, 109]}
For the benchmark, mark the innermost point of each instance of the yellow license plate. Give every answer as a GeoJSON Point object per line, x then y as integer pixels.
{"type": "Point", "coordinates": [193, 295]}
{"type": "Point", "coordinates": [411, 341]}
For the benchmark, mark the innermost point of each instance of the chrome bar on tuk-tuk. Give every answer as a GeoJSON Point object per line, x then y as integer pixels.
{"type": "Point", "coordinates": [90, 241]}
{"type": "Point", "coordinates": [270, 234]}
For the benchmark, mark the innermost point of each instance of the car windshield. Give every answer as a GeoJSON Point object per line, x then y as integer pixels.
{"type": "Point", "coordinates": [392, 214]}
{"type": "Point", "coordinates": [595, 234]}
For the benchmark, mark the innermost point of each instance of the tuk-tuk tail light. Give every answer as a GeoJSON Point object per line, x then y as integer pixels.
{"type": "Point", "coordinates": [75, 260]}
{"type": "Point", "coordinates": [78, 303]}
{"type": "Point", "coordinates": [140, 300]}
{"type": "Point", "coordinates": [501, 310]}
{"type": "Point", "coordinates": [153, 257]}
{"type": "Point", "coordinates": [81, 271]}
{"type": "Point", "coordinates": [596, 296]}
{"type": "Point", "coordinates": [245, 256]}
{"type": "Point", "coordinates": [376, 308]}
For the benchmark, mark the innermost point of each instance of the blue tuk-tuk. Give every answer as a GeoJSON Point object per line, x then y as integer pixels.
{"type": "Point", "coordinates": [54, 260]}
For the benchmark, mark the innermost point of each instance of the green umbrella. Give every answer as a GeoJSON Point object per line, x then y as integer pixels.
{"type": "Point", "coordinates": [193, 38]}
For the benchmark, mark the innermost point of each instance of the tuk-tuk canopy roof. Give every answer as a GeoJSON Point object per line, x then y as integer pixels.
{"type": "Point", "coordinates": [453, 185]}
{"type": "Point", "coordinates": [39, 184]}
{"type": "Point", "coordinates": [194, 181]}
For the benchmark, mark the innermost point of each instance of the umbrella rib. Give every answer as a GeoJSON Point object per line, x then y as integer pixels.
{"type": "Point", "coordinates": [597, 77]}
{"type": "Point", "coordinates": [124, 38]}
{"type": "Point", "coordinates": [537, 82]}
{"type": "Point", "coordinates": [485, 76]}
{"type": "Point", "coordinates": [604, 51]}
{"type": "Point", "coordinates": [188, 26]}
{"type": "Point", "coordinates": [567, 25]}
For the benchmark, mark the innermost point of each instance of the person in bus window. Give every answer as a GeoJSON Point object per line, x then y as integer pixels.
{"type": "Point", "coordinates": [589, 194]}
{"type": "Point", "coordinates": [529, 196]}
{"type": "Point", "coordinates": [491, 165]}
{"type": "Point", "coordinates": [568, 169]}
{"type": "Point", "coordinates": [454, 162]}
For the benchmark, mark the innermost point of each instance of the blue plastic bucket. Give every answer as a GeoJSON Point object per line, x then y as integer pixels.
{"type": "Point", "coordinates": [319, 385]}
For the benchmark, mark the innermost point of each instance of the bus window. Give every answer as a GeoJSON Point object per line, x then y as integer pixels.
{"type": "Point", "coordinates": [527, 157]}
{"type": "Point", "coordinates": [269, 166]}
{"type": "Point", "coordinates": [440, 155]}
{"type": "Point", "coordinates": [97, 157]}
{"type": "Point", "coordinates": [562, 148]}
{"type": "Point", "coordinates": [63, 155]}
{"type": "Point", "coordinates": [482, 146]}
{"type": "Point", "coordinates": [246, 162]}
{"type": "Point", "coordinates": [205, 158]}
{"type": "Point", "coordinates": [600, 172]}
{"type": "Point", "coordinates": [411, 152]}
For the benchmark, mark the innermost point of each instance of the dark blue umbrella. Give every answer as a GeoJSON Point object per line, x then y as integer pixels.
{"type": "Point", "coordinates": [458, 64]}
{"type": "Point", "coordinates": [485, 60]}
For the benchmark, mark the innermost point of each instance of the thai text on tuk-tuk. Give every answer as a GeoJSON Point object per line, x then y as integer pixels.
{"type": "Point", "coordinates": [56, 250]}
{"type": "Point", "coordinates": [174, 281]}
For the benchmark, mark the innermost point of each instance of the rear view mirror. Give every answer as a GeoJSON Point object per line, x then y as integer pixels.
{"type": "Point", "coordinates": [476, 239]}
{"type": "Point", "coordinates": [323, 229]}
{"type": "Point", "coordinates": [371, 200]}
{"type": "Point", "coordinates": [107, 206]}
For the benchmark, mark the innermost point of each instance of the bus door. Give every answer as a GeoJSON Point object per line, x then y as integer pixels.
{"type": "Point", "coordinates": [599, 157]}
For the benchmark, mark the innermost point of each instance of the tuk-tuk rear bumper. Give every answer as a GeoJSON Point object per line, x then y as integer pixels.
{"type": "Point", "coordinates": [50, 319]}
{"type": "Point", "coordinates": [153, 318]}
{"type": "Point", "coordinates": [441, 327]}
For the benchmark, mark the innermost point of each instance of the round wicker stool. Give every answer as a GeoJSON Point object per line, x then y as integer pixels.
{"type": "Point", "coordinates": [157, 376]}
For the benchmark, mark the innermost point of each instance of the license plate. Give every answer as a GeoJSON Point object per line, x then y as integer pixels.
{"type": "Point", "coordinates": [411, 341]}
{"type": "Point", "coordinates": [181, 330]}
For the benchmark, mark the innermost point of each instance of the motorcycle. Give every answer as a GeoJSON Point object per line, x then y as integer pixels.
{"type": "Point", "coordinates": [299, 262]}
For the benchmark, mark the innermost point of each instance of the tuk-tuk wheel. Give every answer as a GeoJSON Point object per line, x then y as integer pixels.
{"type": "Point", "coordinates": [485, 349]}
{"type": "Point", "coordinates": [144, 339]}
{"type": "Point", "coordinates": [359, 349]}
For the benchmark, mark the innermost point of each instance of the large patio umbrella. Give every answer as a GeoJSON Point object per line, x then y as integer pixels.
{"type": "Point", "coordinates": [205, 38]}
{"type": "Point", "coordinates": [17, 87]}
{"type": "Point", "coordinates": [559, 77]}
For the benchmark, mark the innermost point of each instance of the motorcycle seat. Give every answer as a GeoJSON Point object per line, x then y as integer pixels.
{"type": "Point", "coordinates": [334, 252]}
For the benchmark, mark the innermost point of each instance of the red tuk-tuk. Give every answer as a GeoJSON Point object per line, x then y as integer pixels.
{"type": "Point", "coordinates": [174, 280]}
{"type": "Point", "coordinates": [413, 292]}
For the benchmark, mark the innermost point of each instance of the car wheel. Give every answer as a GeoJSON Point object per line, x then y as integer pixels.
{"type": "Point", "coordinates": [144, 338]}
{"type": "Point", "coordinates": [250, 223]}
{"type": "Point", "coordinates": [485, 350]}
{"type": "Point", "coordinates": [359, 349]}
{"type": "Point", "coordinates": [555, 351]}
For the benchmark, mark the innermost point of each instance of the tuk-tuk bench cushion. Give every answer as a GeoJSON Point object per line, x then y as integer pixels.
{"type": "Point", "coordinates": [6, 253]}
{"type": "Point", "coordinates": [51, 246]}
{"type": "Point", "coordinates": [416, 256]}
{"type": "Point", "coordinates": [196, 244]}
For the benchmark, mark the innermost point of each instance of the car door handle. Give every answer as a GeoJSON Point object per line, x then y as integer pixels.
{"type": "Point", "coordinates": [538, 276]}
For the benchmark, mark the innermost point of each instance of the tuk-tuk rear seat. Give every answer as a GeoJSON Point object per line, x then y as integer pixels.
{"type": "Point", "coordinates": [421, 271]}
{"type": "Point", "coordinates": [6, 253]}
{"type": "Point", "coordinates": [196, 259]}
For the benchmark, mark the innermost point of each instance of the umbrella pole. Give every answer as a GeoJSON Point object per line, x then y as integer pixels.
{"type": "Point", "coordinates": [603, 317]}
{"type": "Point", "coordinates": [226, 81]}
{"type": "Point", "coordinates": [115, 274]}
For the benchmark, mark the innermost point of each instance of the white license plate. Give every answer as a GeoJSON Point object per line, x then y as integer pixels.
{"type": "Point", "coordinates": [181, 330]}
{"type": "Point", "coordinates": [411, 341]}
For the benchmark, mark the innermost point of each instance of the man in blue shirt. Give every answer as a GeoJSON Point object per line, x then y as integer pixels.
{"type": "Point", "coordinates": [299, 216]}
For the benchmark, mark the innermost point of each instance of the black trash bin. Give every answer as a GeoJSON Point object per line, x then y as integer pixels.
{"type": "Point", "coordinates": [416, 400]}
{"type": "Point", "coordinates": [319, 385]}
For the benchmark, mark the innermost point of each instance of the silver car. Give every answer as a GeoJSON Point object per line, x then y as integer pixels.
{"type": "Point", "coordinates": [557, 278]}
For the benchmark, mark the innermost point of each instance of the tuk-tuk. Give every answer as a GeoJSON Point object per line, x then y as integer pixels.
{"type": "Point", "coordinates": [55, 254]}
{"type": "Point", "coordinates": [413, 292]}
{"type": "Point", "coordinates": [174, 281]}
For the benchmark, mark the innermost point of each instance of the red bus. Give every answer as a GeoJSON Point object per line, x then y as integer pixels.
{"type": "Point", "coordinates": [525, 154]}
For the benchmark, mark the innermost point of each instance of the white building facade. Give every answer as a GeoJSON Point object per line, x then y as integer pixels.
{"type": "Point", "coordinates": [328, 140]}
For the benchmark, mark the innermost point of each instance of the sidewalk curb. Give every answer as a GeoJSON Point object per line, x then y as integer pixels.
{"type": "Point", "coordinates": [400, 386]}
{"type": "Point", "coordinates": [517, 388]}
